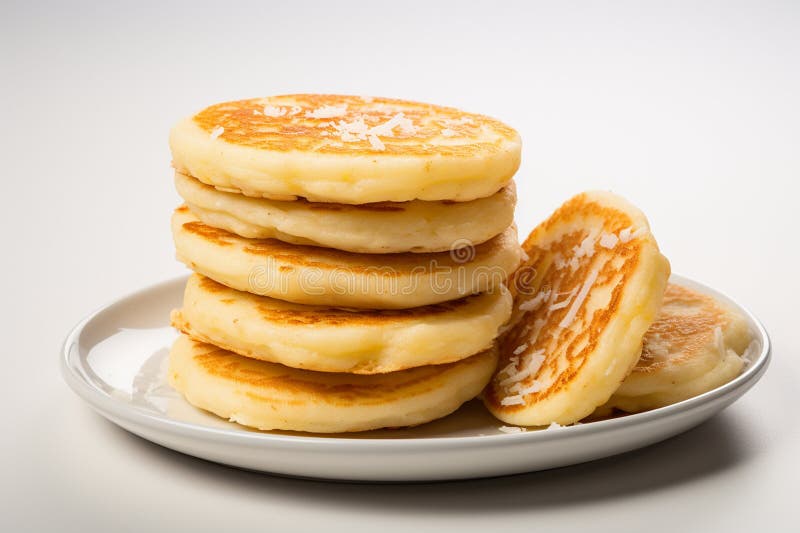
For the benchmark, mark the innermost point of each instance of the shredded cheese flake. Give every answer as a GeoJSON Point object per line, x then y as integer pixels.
{"type": "Point", "coordinates": [535, 361]}
{"type": "Point", "coordinates": [538, 324]}
{"type": "Point", "coordinates": [535, 302]}
{"type": "Point", "coordinates": [565, 302]}
{"type": "Point", "coordinates": [358, 130]}
{"type": "Point", "coordinates": [216, 132]}
{"type": "Point", "coordinates": [519, 349]}
{"type": "Point", "coordinates": [608, 240]}
{"type": "Point", "coordinates": [274, 111]}
{"type": "Point", "coordinates": [328, 111]}
{"type": "Point", "coordinates": [376, 143]}
{"type": "Point", "coordinates": [585, 248]}
{"type": "Point", "coordinates": [514, 378]}
{"type": "Point", "coordinates": [530, 368]}
{"type": "Point", "coordinates": [628, 234]}
{"type": "Point", "coordinates": [400, 121]}
{"type": "Point", "coordinates": [510, 367]}
{"type": "Point", "coordinates": [587, 284]}
{"type": "Point", "coordinates": [512, 400]}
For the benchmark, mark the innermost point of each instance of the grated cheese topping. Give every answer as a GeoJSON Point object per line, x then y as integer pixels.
{"type": "Point", "coordinates": [328, 111]}
{"type": "Point", "coordinates": [216, 132]}
{"type": "Point", "coordinates": [535, 302]}
{"type": "Point", "coordinates": [512, 429]}
{"type": "Point", "coordinates": [376, 143]}
{"type": "Point", "coordinates": [274, 111]}
{"type": "Point", "coordinates": [406, 126]}
{"type": "Point", "coordinates": [447, 132]}
{"type": "Point", "coordinates": [563, 303]}
{"type": "Point", "coordinates": [530, 368]}
{"type": "Point", "coordinates": [587, 284]}
{"type": "Point", "coordinates": [518, 376]}
{"type": "Point", "coordinates": [358, 130]}
{"type": "Point", "coordinates": [512, 400]}
{"type": "Point", "coordinates": [510, 367]}
{"type": "Point", "coordinates": [352, 131]}
{"type": "Point", "coordinates": [628, 234]}
{"type": "Point", "coordinates": [608, 240]}
{"type": "Point", "coordinates": [535, 360]}
{"type": "Point", "coordinates": [538, 324]}
{"type": "Point", "coordinates": [585, 248]}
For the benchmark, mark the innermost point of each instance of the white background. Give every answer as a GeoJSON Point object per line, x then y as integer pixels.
{"type": "Point", "coordinates": [690, 109]}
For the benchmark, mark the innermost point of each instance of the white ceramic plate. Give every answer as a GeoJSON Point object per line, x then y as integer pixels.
{"type": "Point", "coordinates": [116, 358]}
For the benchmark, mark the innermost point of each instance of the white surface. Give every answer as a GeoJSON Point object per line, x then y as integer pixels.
{"type": "Point", "coordinates": [117, 361]}
{"type": "Point", "coordinates": [689, 110]}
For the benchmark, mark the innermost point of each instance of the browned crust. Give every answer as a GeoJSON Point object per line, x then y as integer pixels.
{"type": "Point", "coordinates": [539, 272]}
{"type": "Point", "coordinates": [686, 334]}
{"type": "Point", "coordinates": [300, 133]}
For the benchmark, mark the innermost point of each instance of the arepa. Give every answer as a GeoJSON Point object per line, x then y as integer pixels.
{"type": "Point", "coordinates": [269, 396]}
{"type": "Point", "coordinates": [324, 276]}
{"type": "Point", "coordinates": [695, 345]}
{"type": "Point", "coordinates": [590, 288]}
{"type": "Point", "coordinates": [346, 149]}
{"type": "Point", "coordinates": [376, 228]}
{"type": "Point", "coordinates": [330, 339]}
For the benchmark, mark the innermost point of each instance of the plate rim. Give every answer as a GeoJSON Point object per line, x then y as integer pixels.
{"type": "Point", "coordinates": [108, 406]}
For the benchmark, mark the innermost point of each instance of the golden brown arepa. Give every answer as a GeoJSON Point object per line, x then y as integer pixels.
{"type": "Point", "coordinates": [375, 228]}
{"type": "Point", "coordinates": [590, 288]}
{"type": "Point", "coordinates": [267, 396]}
{"type": "Point", "coordinates": [324, 276]}
{"type": "Point", "coordinates": [695, 345]}
{"type": "Point", "coordinates": [346, 149]}
{"type": "Point", "coordinates": [329, 339]}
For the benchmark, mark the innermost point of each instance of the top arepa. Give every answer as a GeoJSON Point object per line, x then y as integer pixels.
{"type": "Point", "coordinates": [346, 149]}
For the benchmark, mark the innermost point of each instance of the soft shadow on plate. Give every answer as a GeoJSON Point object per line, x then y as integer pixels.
{"type": "Point", "coordinates": [701, 452]}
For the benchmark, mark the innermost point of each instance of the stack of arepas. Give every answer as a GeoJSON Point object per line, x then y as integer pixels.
{"type": "Point", "coordinates": [350, 259]}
